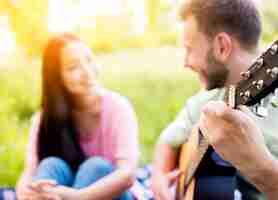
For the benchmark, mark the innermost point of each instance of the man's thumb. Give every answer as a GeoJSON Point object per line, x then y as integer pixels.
{"type": "Point", "coordinates": [174, 175]}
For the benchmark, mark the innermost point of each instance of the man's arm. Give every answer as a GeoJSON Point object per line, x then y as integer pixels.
{"type": "Point", "coordinates": [165, 161]}
{"type": "Point", "coordinates": [238, 139]}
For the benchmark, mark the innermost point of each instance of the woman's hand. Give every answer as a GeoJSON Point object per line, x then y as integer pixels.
{"type": "Point", "coordinates": [62, 192]}
{"type": "Point", "coordinates": [23, 191]}
{"type": "Point", "coordinates": [35, 191]}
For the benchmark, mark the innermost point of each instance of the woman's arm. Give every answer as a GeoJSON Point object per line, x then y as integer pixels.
{"type": "Point", "coordinates": [30, 160]}
{"type": "Point", "coordinates": [109, 187]}
{"type": "Point", "coordinates": [113, 185]}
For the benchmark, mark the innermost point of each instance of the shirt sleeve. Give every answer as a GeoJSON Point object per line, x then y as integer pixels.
{"type": "Point", "coordinates": [269, 128]}
{"type": "Point", "coordinates": [32, 153]}
{"type": "Point", "coordinates": [125, 128]}
{"type": "Point", "coordinates": [179, 130]}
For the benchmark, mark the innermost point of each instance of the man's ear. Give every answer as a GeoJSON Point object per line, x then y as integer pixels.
{"type": "Point", "coordinates": [222, 47]}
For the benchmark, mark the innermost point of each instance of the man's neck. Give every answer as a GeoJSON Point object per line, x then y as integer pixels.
{"type": "Point", "coordinates": [240, 62]}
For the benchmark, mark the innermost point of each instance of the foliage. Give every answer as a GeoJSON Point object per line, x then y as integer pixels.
{"type": "Point", "coordinates": [28, 19]}
{"type": "Point", "coordinates": [270, 21]}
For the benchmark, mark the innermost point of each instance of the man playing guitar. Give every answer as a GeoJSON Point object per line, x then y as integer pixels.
{"type": "Point", "coordinates": [221, 39]}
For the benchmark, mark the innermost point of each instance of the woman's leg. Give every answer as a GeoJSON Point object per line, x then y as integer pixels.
{"type": "Point", "coordinates": [54, 168]}
{"type": "Point", "coordinates": [94, 169]}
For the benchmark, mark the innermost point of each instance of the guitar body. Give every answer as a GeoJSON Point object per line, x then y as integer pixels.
{"type": "Point", "coordinates": [182, 192]}
{"type": "Point", "coordinates": [195, 154]}
{"type": "Point", "coordinates": [188, 150]}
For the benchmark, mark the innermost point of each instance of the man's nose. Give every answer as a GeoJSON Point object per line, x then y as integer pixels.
{"type": "Point", "coordinates": [187, 64]}
{"type": "Point", "coordinates": [185, 59]}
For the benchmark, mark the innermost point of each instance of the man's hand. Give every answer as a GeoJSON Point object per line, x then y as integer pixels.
{"type": "Point", "coordinates": [237, 138]}
{"type": "Point", "coordinates": [161, 183]}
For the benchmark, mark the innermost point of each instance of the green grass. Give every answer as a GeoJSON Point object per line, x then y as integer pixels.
{"type": "Point", "coordinates": [153, 79]}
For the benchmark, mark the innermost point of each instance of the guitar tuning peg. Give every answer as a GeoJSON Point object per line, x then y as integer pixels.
{"type": "Point", "coordinates": [246, 75]}
{"type": "Point", "coordinates": [272, 72]}
{"type": "Point", "coordinates": [259, 84]}
{"type": "Point", "coordinates": [274, 99]}
{"type": "Point", "coordinates": [274, 49]}
{"type": "Point", "coordinates": [245, 95]}
{"type": "Point", "coordinates": [259, 63]}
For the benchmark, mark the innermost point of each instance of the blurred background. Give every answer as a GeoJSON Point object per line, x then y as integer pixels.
{"type": "Point", "coordinates": [138, 44]}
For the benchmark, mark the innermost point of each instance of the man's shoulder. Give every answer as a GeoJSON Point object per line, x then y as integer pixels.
{"type": "Point", "coordinates": [196, 102]}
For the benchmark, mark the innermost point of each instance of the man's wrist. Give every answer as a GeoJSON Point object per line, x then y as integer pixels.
{"type": "Point", "coordinates": [266, 178]}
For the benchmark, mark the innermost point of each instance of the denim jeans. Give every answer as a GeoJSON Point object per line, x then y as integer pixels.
{"type": "Point", "coordinates": [89, 171]}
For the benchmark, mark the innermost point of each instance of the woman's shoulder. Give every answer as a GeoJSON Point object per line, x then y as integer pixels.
{"type": "Point", "coordinates": [35, 123]}
{"type": "Point", "coordinates": [36, 117]}
{"type": "Point", "coordinates": [114, 98]}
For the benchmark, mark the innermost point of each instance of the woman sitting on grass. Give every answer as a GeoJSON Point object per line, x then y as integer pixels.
{"type": "Point", "coordinates": [83, 143]}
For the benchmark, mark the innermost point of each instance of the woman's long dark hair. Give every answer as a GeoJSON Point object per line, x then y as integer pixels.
{"type": "Point", "coordinates": [57, 131]}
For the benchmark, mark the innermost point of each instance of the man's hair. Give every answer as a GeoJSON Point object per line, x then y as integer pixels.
{"type": "Point", "coordinates": [239, 18]}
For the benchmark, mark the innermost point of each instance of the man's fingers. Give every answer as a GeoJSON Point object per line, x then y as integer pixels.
{"type": "Point", "coordinates": [161, 188]}
{"type": "Point", "coordinates": [214, 108]}
{"type": "Point", "coordinates": [173, 175]}
{"type": "Point", "coordinates": [245, 109]}
{"type": "Point", "coordinates": [165, 194]}
{"type": "Point", "coordinates": [217, 110]}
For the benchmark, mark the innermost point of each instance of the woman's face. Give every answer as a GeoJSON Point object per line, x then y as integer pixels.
{"type": "Point", "coordinates": [78, 69]}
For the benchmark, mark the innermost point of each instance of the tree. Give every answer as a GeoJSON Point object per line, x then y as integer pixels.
{"type": "Point", "coordinates": [28, 19]}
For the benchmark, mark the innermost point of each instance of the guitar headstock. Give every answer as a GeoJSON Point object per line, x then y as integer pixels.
{"type": "Point", "coordinates": [259, 81]}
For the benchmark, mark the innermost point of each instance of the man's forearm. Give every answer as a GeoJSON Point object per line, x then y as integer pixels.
{"type": "Point", "coordinates": [266, 179]}
{"type": "Point", "coordinates": [270, 181]}
{"type": "Point", "coordinates": [165, 159]}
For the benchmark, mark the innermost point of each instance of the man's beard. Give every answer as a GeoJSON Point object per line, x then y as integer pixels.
{"type": "Point", "coordinates": [217, 77]}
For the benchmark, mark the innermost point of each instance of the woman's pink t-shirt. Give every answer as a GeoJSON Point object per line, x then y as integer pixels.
{"type": "Point", "coordinates": [116, 138]}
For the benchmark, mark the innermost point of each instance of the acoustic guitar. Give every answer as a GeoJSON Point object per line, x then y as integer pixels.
{"type": "Point", "coordinates": [259, 81]}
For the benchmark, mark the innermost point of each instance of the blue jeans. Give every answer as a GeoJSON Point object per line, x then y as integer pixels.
{"type": "Point", "coordinates": [89, 172]}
